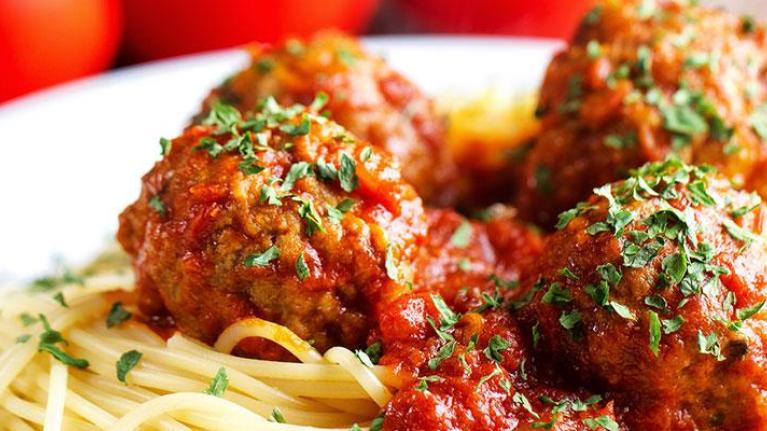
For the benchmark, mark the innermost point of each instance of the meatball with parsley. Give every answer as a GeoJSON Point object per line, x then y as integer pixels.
{"type": "Point", "coordinates": [642, 80]}
{"type": "Point", "coordinates": [654, 289]}
{"type": "Point", "coordinates": [279, 214]}
{"type": "Point", "coordinates": [366, 96]}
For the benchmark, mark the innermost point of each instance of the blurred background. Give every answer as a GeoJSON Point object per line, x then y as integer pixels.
{"type": "Point", "coordinates": [47, 42]}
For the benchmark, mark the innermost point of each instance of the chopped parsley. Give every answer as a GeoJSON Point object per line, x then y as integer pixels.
{"type": "Point", "coordinates": [570, 319]}
{"type": "Point", "coordinates": [423, 382]}
{"type": "Point", "coordinates": [157, 205]}
{"type": "Point", "coordinates": [520, 399]}
{"type": "Point", "coordinates": [655, 332]}
{"type": "Point", "coordinates": [320, 100]}
{"type": "Point", "coordinates": [310, 215]}
{"type": "Point", "coordinates": [264, 258]}
{"type": "Point", "coordinates": [443, 353]}
{"type": "Point", "coordinates": [536, 334]}
{"type": "Point", "coordinates": [250, 166]}
{"type": "Point", "coordinates": [218, 384]}
{"type": "Point", "coordinates": [622, 310]}
{"type": "Point", "coordinates": [59, 297]}
{"type": "Point", "coordinates": [364, 358]}
{"type": "Point", "coordinates": [747, 24]}
{"type": "Point", "coordinates": [567, 216]}
{"type": "Point", "coordinates": [620, 142]}
{"type": "Point", "coordinates": [127, 362]}
{"type": "Point", "coordinates": [556, 295]}
{"type": "Point", "coordinates": [347, 174]}
{"type": "Point", "coordinates": [277, 416]}
{"type": "Point", "coordinates": [709, 345]}
{"type": "Point", "coordinates": [495, 348]}
{"type": "Point", "coordinates": [462, 235]}
{"type": "Point", "coordinates": [593, 49]}
{"type": "Point", "coordinates": [165, 145]}
{"type": "Point", "coordinates": [302, 270]}
{"type": "Point", "coordinates": [672, 325]}
{"type": "Point", "coordinates": [745, 313]}
{"type": "Point", "coordinates": [484, 379]}
{"type": "Point", "coordinates": [740, 233]}
{"type": "Point", "coordinates": [300, 129]}
{"type": "Point", "coordinates": [374, 352]}
{"type": "Point", "coordinates": [567, 273]}
{"type": "Point", "coordinates": [602, 422]}
{"type": "Point", "coordinates": [117, 315]}
{"type": "Point", "coordinates": [297, 171]}
{"type": "Point", "coordinates": [48, 343]}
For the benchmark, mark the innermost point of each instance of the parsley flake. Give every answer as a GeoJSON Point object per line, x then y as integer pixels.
{"type": "Point", "coordinates": [495, 347]}
{"type": "Point", "coordinates": [264, 258]}
{"type": "Point", "coordinates": [117, 315]}
{"type": "Point", "coordinates": [347, 174]}
{"type": "Point", "coordinates": [218, 384]}
{"type": "Point", "coordinates": [127, 362]}
{"type": "Point", "coordinates": [165, 145]}
{"type": "Point", "coordinates": [302, 270]}
{"type": "Point", "coordinates": [745, 313]}
{"type": "Point", "coordinates": [462, 235]}
{"type": "Point", "coordinates": [59, 297]}
{"type": "Point", "coordinates": [655, 332]}
{"type": "Point", "coordinates": [157, 205]}
{"type": "Point", "coordinates": [297, 171]}
{"type": "Point", "coordinates": [48, 343]}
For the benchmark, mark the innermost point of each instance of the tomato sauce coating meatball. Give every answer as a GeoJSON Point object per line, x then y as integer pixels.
{"type": "Point", "coordinates": [463, 259]}
{"type": "Point", "coordinates": [281, 215]}
{"type": "Point", "coordinates": [463, 358]}
{"type": "Point", "coordinates": [367, 97]}
{"type": "Point", "coordinates": [654, 288]}
{"type": "Point", "coordinates": [470, 372]}
{"type": "Point", "coordinates": [642, 80]}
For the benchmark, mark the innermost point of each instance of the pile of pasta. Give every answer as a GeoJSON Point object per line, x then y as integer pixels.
{"type": "Point", "coordinates": [72, 358]}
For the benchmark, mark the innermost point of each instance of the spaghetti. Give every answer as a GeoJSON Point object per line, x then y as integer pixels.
{"type": "Point", "coordinates": [174, 384]}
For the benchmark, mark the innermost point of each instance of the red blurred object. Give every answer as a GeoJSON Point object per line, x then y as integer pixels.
{"type": "Point", "coordinates": [548, 18]}
{"type": "Point", "coordinates": [157, 29]}
{"type": "Point", "coordinates": [45, 42]}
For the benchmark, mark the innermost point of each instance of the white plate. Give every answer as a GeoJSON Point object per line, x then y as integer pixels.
{"type": "Point", "coordinates": [72, 156]}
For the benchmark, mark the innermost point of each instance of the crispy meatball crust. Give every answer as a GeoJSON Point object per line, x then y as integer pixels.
{"type": "Point", "coordinates": [654, 289]}
{"type": "Point", "coordinates": [281, 215]}
{"type": "Point", "coordinates": [367, 97]}
{"type": "Point", "coordinates": [639, 81]}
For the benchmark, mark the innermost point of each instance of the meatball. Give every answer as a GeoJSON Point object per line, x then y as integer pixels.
{"type": "Point", "coordinates": [464, 259]}
{"type": "Point", "coordinates": [282, 215]}
{"type": "Point", "coordinates": [642, 80]}
{"type": "Point", "coordinates": [654, 288]}
{"type": "Point", "coordinates": [367, 97]}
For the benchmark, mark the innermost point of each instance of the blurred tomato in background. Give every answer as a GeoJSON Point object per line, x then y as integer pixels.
{"type": "Point", "coordinates": [547, 18]}
{"type": "Point", "coordinates": [164, 28]}
{"type": "Point", "coordinates": [44, 42]}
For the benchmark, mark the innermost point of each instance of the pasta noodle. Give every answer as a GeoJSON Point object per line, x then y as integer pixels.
{"type": "Point", "coordinates": [170, 387]}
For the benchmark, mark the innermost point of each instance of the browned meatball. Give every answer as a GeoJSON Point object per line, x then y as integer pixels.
{"type": "Point", "coordinates": [367, 97]}
{"type": "Point", "coordinates": [281, 215]}
{"type": "Point", "coordinates": [642, 80]}
{"type": "Point", "coordinates": [654, 289]}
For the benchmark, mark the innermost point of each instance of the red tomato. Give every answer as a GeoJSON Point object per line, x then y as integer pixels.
{"type": "Point", "coordinates": [550, 18]}
{"type": "Point", "coordinates": [156, 29]}
{"type": "Point", "coordinates": [44, 42]}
